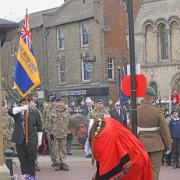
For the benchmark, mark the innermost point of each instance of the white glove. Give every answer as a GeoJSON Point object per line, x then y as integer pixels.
{"type": "Point", "coordinates": [167, 152]}
{"type": "Point", "coordinates": [17, 110]}
{"type": "Point", "coordinates": [40, 138]}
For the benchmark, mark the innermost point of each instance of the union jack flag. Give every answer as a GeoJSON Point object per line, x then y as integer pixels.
{"type": "Point", "coordinates": [26, 34]}
{"type": "Point", "coordinates": [26, 75]}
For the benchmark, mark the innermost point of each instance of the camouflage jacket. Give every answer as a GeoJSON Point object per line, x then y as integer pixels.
{"type": "Point", "coordinates": [59, 121]}
{"type": "Point", "coordinates": [7, 125]}
{"type": "Point", "coordinates": [96, 113]}
{"type": "Point", "coordinates": [46, 120]}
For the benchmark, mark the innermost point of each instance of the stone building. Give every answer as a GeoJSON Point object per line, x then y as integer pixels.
{"type": "Point", "coordinates": [85, 46]}
{"type": "Point", "coordinates": [157, 41]}
{"type": "Point", "coordinates": [80, 49]}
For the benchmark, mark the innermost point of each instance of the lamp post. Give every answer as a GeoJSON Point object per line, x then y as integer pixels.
{"type": "Point", "coordinates": [5, 27]}
{"type": "Point", "coordinates": [132, 66]}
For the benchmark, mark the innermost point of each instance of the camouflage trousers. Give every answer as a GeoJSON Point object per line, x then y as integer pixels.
{"type": "Point", "coordinates": [51, 148]}
{"type": "Point", "coordinates": [6, 143]}
{"type": "Point", "coordinates": [60, 150]}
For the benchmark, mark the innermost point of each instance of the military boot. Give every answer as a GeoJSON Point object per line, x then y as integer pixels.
{"type": "Point", "coordinates": [58, 167]}
{"type": "Point", "coordinates": [64, 167]}
{"type": "Point", "coordinates": [37, 168]}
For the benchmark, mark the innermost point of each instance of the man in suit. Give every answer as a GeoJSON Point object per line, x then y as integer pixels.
{"type": "Point", "coordinates": [119, 114]}
{"type": "Point", "coordinates": [153, 131]}
{"type": "Point", "coordinates": [85, 111]}
{"type": "Point", "coordinates": [27, 128]}
{"type": "Point", "coordinates": [88, 106]}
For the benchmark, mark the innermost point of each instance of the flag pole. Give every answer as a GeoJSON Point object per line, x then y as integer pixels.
{"type": "Point", "coordinates": [132, 66]}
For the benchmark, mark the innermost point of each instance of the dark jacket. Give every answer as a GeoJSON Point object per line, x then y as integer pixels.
{"type": "Point", "coordinates": [85, 110]}
{"type": "Point", "coordinates": [174, 127]}
{"type": "Point", "coordinates": [122, 117]}
{"type": "Point", "coordinates": [34, 126]}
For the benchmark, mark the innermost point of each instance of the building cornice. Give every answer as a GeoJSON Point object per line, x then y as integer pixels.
{"type": "Point", "coordinates": [150, 1]}
{"type": "Point", "coordinates": [160, 64]}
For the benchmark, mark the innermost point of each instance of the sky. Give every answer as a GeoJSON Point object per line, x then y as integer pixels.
{"type": "Point", "coordinates": [15, 10]}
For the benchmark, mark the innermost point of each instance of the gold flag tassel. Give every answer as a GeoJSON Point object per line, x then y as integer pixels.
{"type": "Point", "coordinates": [27, 129]}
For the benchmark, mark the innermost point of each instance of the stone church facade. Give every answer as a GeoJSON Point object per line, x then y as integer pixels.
{"type": "Point", "coordinates": [157, 41]}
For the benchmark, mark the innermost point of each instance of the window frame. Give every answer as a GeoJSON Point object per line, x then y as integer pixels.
{"type": "Point", "coordinates": [83, 70]}
{"type": "Point", "coordinates": [82, 34]}
{"type": "Point", "coordinates": [60, 37]}
{"type": "Point", "coordinates": [61, 71]}
{"type": "Point", "coordinates": [110, 68]}
{"type": "Point", "coordinates": [163, 39]}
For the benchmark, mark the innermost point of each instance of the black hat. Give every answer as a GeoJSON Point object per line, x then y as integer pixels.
{"type": "Point", "coordinates": [24, 99]}
{"type": "Point", "coordinates": [173, 112]}
{"type": "Point", "coordinates": [99, 100]}
{"type": "Point", "coordinates": [167, 115]}
{"type": "Point", "coordinates": [58, 99]}
{"type": "Point", "coordinates": [52, 99]}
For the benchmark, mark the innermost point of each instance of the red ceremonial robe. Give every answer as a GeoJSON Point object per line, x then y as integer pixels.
{"type": "Point", "coordinates": [117, 151]}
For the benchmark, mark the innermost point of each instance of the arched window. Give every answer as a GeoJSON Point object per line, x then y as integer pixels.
{"type": "Point", "coordinates": [163, 41]}
{"type": "Point", "coordinates": [151, 44]}
{"type": "Point", "coordinates": [175, 41]}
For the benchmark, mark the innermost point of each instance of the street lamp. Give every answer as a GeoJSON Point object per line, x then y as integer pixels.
{"type": "Point", "coordinates": [5, 27]}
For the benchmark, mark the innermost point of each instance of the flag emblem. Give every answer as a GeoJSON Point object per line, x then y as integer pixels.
{"type": "Point", "coordinates": [26, 76]}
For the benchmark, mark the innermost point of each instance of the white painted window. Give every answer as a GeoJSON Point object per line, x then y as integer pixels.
{"type": "Point", "coordinates": [110, 69]}
{"type": "Point", "coordinates": [60, 38]}
{"type": "Point", "coordinates": [61, 71]}
{"type": "Point", "coordinates": [86, 74]}
{"type": "Point", "coordinates": [84, 34]}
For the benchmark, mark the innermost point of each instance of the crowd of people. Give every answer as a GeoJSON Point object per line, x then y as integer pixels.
{"type": "Point", "coordinates": [102, 132]}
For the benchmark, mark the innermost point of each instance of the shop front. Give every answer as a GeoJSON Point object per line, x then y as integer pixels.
{"type": "Point", "coordinates": [75, 98]}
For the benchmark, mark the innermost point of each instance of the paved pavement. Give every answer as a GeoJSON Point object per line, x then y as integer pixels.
{"type": "Point", "coordinates": [81, 169]}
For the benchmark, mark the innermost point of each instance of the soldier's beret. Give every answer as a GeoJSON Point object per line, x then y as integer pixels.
{"type": "Point", "coordinates": [150, 91]}
{"type": "Point", "coordinates": [53, 99]}
{"type": "Point", "coordinates": [173, 112]}
{"type": "Point", "coordinates": [24, 99]}
{"type": "Point", "coordinates": [58, 99]}
{"type": "Point", "coordinates": [99, 100]}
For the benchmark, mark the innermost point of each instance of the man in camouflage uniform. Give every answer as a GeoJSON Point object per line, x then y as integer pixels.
{"type": "Point", "coordinates": [98, 111]}
{"type": "Point", "coordinates": [59, 123]}
{"type": "Point", "coordinates": [47, 125]}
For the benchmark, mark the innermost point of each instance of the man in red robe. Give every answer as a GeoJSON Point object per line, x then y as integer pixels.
{"type": "Point", "coordinates": [117, 152]}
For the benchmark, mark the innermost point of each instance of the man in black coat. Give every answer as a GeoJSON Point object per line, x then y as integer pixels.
{"type": "Point", "coordinates": [25, 135]}
{"type": "Point", "coordinates": [119, 114]}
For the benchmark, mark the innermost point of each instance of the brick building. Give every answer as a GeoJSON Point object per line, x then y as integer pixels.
{"type": "Point", "coordinates": [157, 40]}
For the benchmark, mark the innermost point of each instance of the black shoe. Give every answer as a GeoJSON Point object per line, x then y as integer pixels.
{"type": "Point", "coordinates": [69, 153]}
{"type": "Point", "coordinates": [37, 168]}
{"type": "Point", "coordinates": [58, 168]}
{"type": "Point", "coordinates": [54, 164]}
{"type": "Point", "coordinates": [88, 156]}
{"type": "Point", "coordinates": [64, 167]}
{"type": "Point", "coordinates": [176, 166]}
